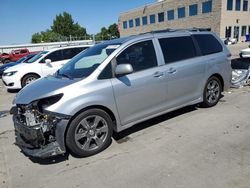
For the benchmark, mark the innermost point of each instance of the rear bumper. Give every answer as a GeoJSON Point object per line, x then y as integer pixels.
{"type": "Point", "coordinates": [32, 142]}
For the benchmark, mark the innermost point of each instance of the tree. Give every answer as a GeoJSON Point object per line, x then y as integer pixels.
{"type": "Point", "coordinates": [36, 38]}
{"type": "Point", "coordinates": [62, 29]}
{"type": "Point", "coordinates": [113, 30]}
{"type": "Point", "coordinates": [64, 25]}
{"type": "Point", "coordinates": [107, 34]}
{"type": "Point", "coordinates": [47, 36]}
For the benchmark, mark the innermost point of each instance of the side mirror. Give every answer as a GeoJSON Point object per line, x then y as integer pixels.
{"type": "Point", "coordinates": [123, 69]}
{"type": "Point", "coordinates": [47, 61]}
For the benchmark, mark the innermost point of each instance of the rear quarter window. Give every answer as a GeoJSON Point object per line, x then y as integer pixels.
{"type": "Point", "coordinates": [177, 48]}
{"type": "Point", "coordinates": [208, 44]}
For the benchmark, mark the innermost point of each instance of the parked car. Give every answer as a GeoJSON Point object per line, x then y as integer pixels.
{"type": "Point", "coordinates": [3, 56]}
{"type": "Point", "coordinates": [11, 64]}
{"type": "Point", "coordinates": [15, 55]}
{"type": "Point", "coordinates": [117, 84]}
{"type": "Point", "coordinates": [245, 53]}
{"type": "Point", "coordinates": [43, 64]}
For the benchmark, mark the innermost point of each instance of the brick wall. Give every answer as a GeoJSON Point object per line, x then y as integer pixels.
{"type": "Point", "coordinates": [208, 20]}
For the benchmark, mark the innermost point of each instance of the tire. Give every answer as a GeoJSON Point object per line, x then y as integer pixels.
{"type": "Point", "coordinates": [6, 61]}
{"type": "Point", "coordinates": [212, 92]}
{"type": "Point", "coordinates": [84, 137]}
{"type": "Point", "coordinates": [28, 79]}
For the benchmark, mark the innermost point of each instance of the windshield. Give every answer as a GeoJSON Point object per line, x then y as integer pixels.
{"type": "Point", "coordinates": [21, 60]}
{"type": "Point", "coordinates": [86, 62]}
{"type": "Point", "coordinates": [36, 57]}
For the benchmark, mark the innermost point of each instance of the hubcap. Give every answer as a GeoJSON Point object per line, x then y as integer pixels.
{"type": "Point", "coordinates": [30, 80]}
{"type": "Point", "coordinates": [213, 91]}
{"type": "Point", "coordinates": [91, 133]}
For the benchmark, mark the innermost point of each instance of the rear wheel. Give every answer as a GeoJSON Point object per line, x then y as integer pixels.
{"type": "Point", "coordinates": [29, 79]}
{"type": "Point", "coordinates": [212, 92]}
{"type": "Point", "coordinates": [89, 133]}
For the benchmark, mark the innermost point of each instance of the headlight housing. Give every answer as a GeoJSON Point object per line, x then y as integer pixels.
{"type": "Point", "coordinates": [9, 73]}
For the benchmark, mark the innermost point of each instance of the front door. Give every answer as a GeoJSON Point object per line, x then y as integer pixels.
{"type": "Point", "coordinates": [57, 61]}
{"type": "Point", "coordinates": [142, 93]}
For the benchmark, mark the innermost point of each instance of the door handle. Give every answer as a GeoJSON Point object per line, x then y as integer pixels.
{"type": "Point", "coordinates": [171, 71]}
{"type": "Point", "coordinates": [158, 74]}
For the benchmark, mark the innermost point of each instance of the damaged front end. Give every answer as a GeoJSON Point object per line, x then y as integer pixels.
{"type": "Point", "coordinates": [40, 133]}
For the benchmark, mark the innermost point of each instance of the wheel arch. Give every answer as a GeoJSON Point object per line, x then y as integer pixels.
{"type": "Point", "coordinates": [101, 107]}
{"type": "Point", "coordinates": [30, 73]}
{"type": "Point", "coordinates": [104, 108]}
{"type": "Point", "coordinates": [220, 78]}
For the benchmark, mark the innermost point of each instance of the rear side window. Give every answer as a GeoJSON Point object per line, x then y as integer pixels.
{"type": "Point", "coordinates": [55, 56]}
{"type": "Point", "coordinates": [177, 48]}
{"type": "Point", "coordinates": [208, 44]}
{"type": "Point", "coordinates": [23, 51]}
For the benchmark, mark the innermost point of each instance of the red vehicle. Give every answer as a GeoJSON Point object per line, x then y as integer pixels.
{"type": "Point", "coordinates": [14, 55]}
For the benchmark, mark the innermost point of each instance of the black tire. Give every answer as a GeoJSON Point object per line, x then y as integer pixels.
{"type": "Point", "coordinates": [211, 99]}
{"type": "Point", "coordinates": [85, 145]}
{"type": "Point", "coordinates": [27, 79]}
{"type": "Point", "coordinates": [6, 61]}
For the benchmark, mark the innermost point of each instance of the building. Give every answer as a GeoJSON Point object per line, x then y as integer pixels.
{"type": "Point", "coordinates": [228, 18]}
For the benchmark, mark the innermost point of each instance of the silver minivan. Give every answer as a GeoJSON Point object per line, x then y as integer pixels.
{"type": "Point", "coordinates": [117, 84]}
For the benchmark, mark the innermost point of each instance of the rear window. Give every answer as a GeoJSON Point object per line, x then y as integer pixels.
{"type": "Point", "coordinates": [177, 48]}
{"type": "Point", "coordinates": [208, 44]}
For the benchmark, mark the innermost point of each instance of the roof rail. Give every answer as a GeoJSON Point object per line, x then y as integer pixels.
{"type": "Point", "coordinates": [175, 30]}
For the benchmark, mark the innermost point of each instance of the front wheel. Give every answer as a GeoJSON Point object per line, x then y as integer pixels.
{"type": "Point", "coordinates": [29, 79]}
{"type": "Point", "coordinates": [89, 133]}
{"type": "Point", "coordinates": [212, 92]}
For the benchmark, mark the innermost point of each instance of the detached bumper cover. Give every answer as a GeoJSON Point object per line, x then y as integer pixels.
{"type": "Point", "coordinates": [31, 139]}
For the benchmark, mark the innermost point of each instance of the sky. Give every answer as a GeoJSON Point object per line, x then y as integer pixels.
{"type": "Point", "coordinates": [20, 19]}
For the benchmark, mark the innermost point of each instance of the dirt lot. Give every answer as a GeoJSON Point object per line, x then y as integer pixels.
{"type": "Point", "coordinates": [191, 147]}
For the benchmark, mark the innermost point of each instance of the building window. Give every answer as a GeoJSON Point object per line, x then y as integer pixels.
{"type": "Point", "coordinates": [181, 12]}
{"type": "Point", "coordinates": [237, 7]}
{"type": "Point", "coordinates": [171, 15]}
{"type": "Point", "coordinates": [137, 22]}
{"type": "Point", "coordinates": [243, 30]}
{"type": "Point", "coordinates": [161, 17]}
{"type": "Point", "coordinates": [245, 5]}
{"type": "Point", "coordinates": [228, 32]}
{"type": "Point", "coordinates": [229, 4]}
{"type": "Point", "coordinates": [207, 7]}
{"type": "Point", "coordinates": [131, 23]}
{"type": "Point", "coordinates": [125, 25]}
{"type": "Point", "coordinates": [144, 20]}
{"type": "Point", "coordinates": [152, 18]}
{"type": "Point", "coordinates": [193, 10]}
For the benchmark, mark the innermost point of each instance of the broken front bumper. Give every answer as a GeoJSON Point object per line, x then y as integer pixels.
{"type": "Point", "coordinates": [32, 142]}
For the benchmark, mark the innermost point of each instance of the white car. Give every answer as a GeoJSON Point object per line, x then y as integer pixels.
{"type": "Point", "coordinates": [41, 65]}
{"type": "Point", "coordinates": [245, 53]}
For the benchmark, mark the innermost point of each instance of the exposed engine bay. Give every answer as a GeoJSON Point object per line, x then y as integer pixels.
{"type": "Point", "coordinates": [36, 128]}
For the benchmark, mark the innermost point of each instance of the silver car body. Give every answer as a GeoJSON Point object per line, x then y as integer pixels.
{"type": "Point", "coordinates": [138, 96]}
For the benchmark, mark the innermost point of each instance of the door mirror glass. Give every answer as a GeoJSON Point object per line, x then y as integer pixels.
{"type": "Point", "coordinates": [123, 69]}
{"type": "Point", "coordinates": [47, 61]}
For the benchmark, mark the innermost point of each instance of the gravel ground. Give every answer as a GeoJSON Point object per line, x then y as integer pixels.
{"type": "Point", "coordinates": [191, 147]}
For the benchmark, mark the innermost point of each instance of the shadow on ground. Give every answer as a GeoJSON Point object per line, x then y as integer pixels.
{"type": "Point", "coordinates": [138, 127]}
{"type": "Point", "coordinates": [13, 90]}
{"type": "Point", "coordinates": [121, 137]}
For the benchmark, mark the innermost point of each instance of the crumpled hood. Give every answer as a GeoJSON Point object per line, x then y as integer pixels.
{"type": "Point", "coordinates": [41, 88]}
